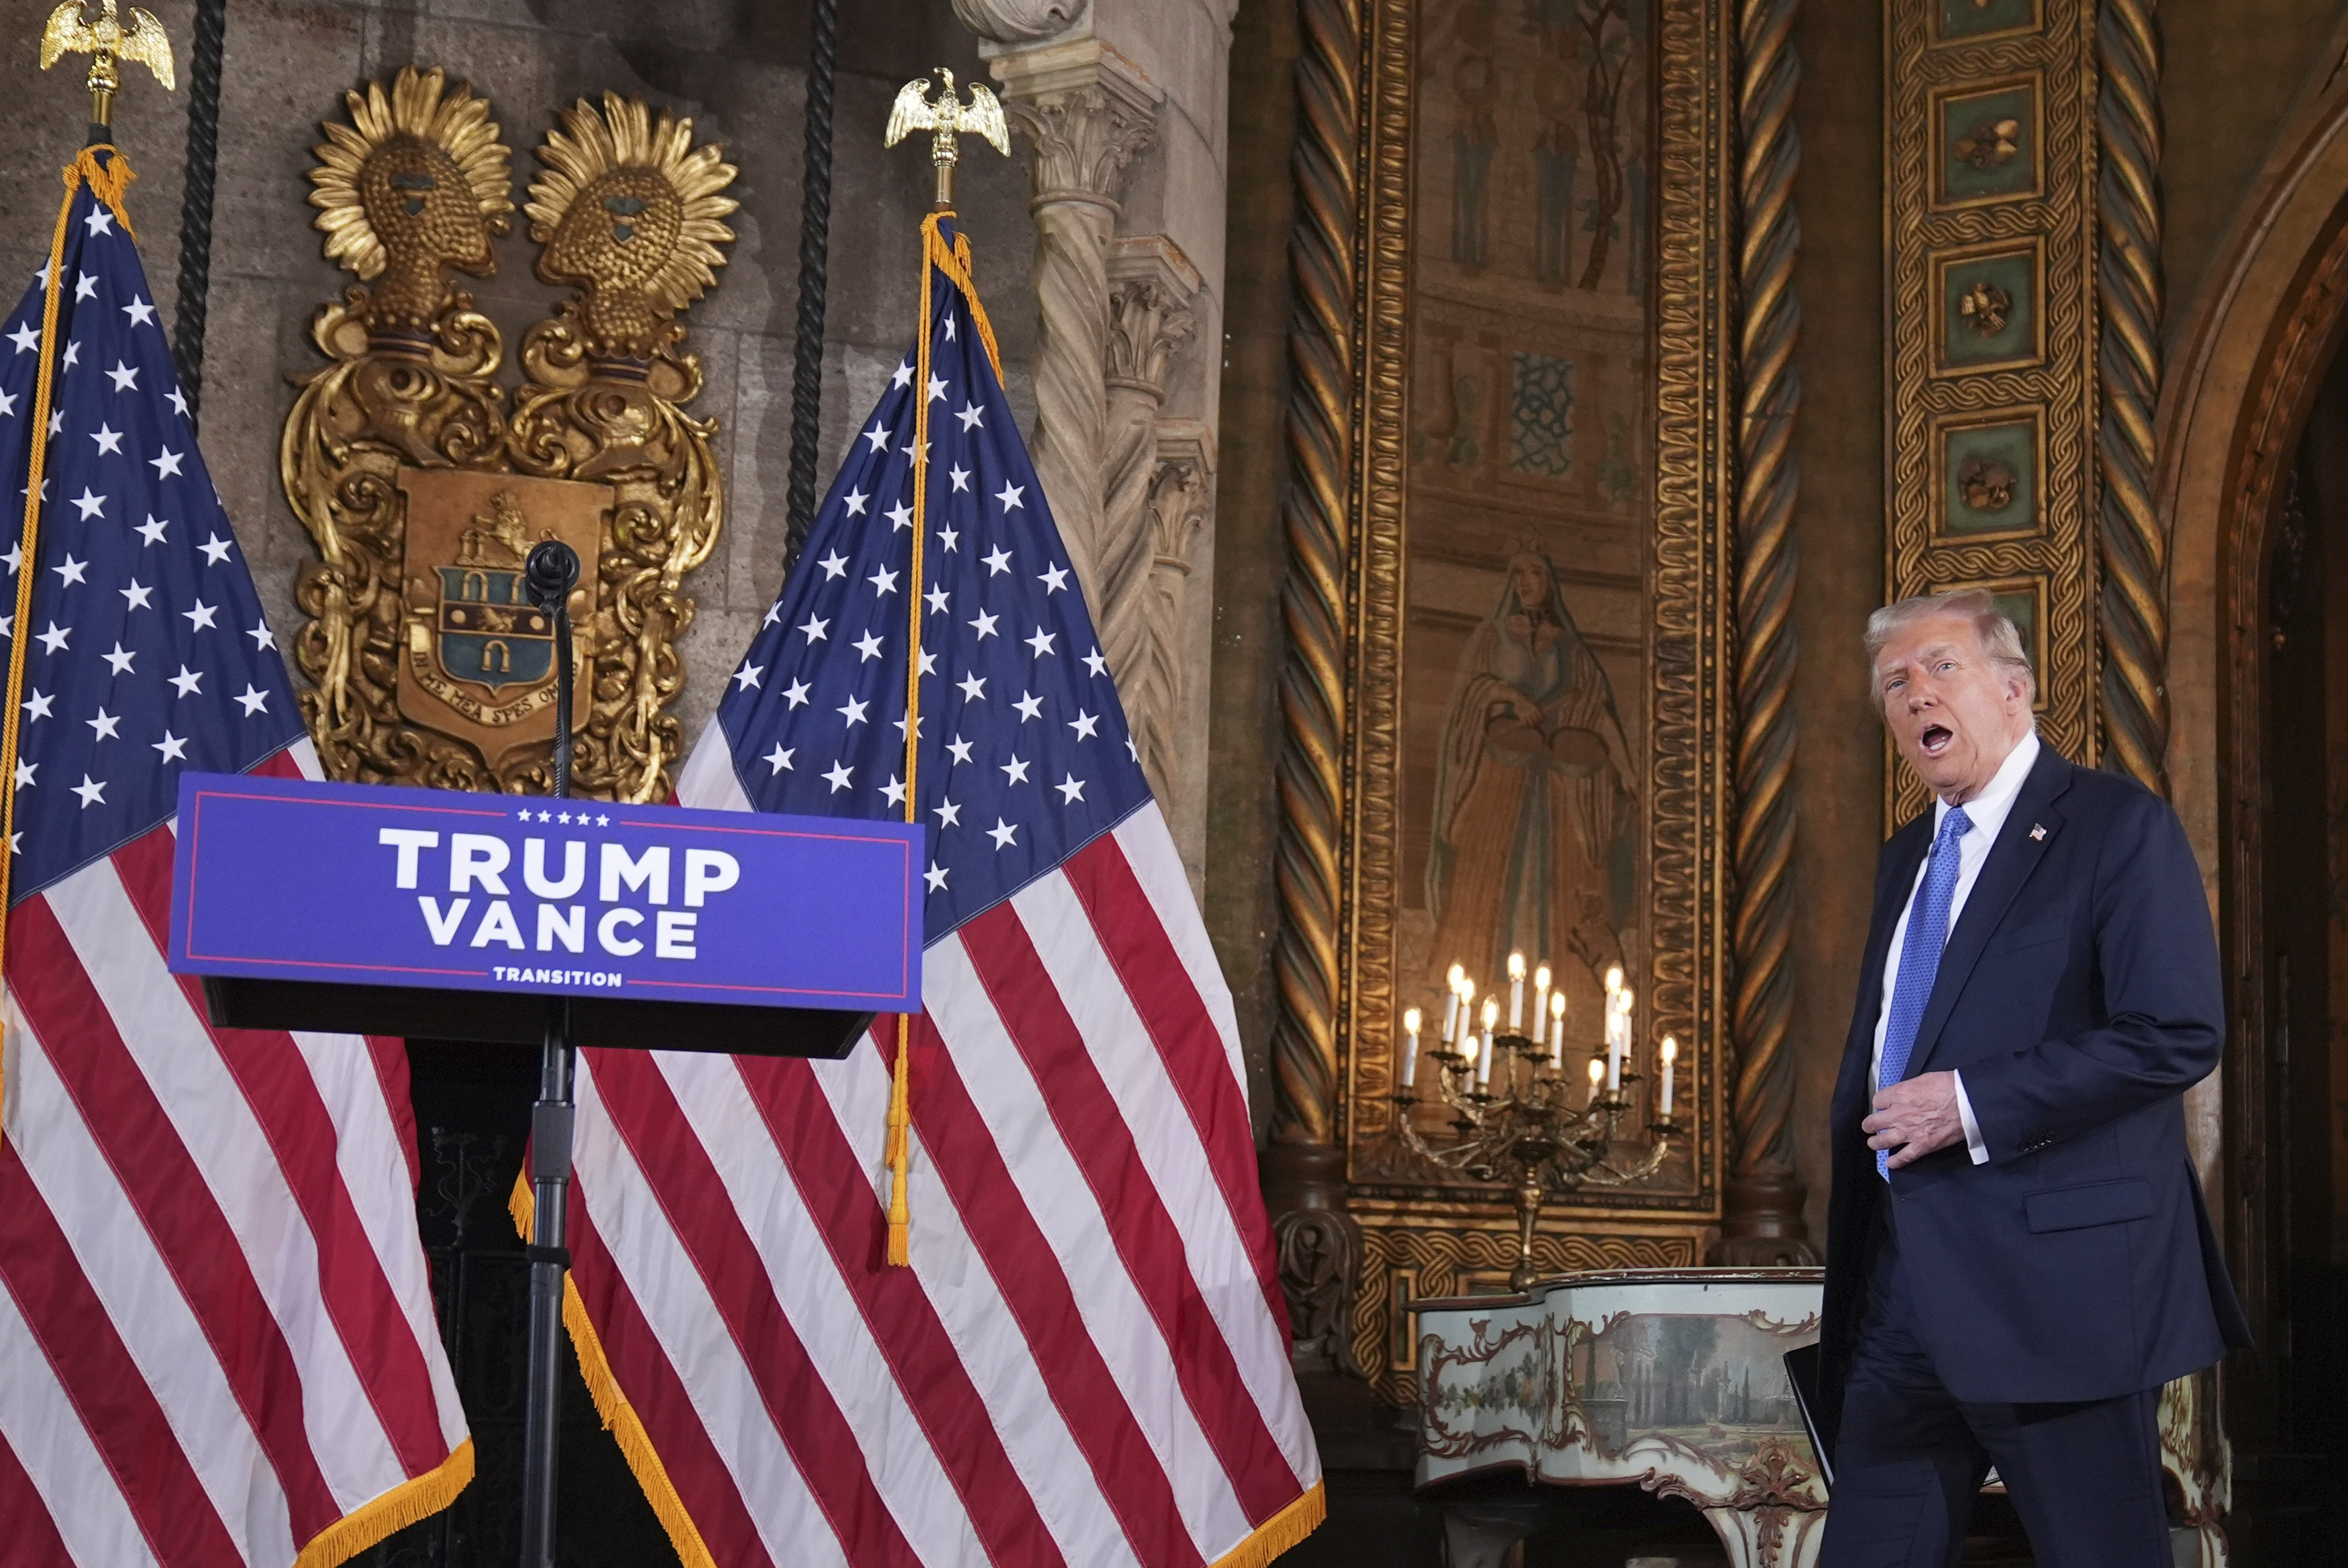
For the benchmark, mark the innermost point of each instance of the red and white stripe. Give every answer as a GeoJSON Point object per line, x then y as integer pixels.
{"type": "Point", "coordinates": [217, 1341]}
{"type": "Point", "coordinates": [1087, 1361]}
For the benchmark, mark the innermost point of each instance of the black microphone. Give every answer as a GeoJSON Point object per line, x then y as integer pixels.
{"type": "Point", "coordinates": [549, 574]}
{"type": "Point", "coordinates": [547, 577]}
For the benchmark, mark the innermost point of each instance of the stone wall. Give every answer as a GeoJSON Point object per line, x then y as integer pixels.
{"type": "Point", "coordinates": [735, 66]}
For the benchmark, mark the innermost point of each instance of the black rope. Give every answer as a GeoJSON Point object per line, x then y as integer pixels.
{"type": "Point", "coordinates": [196, 200]}
{"type": "Point", "coordinates": [815, 249]}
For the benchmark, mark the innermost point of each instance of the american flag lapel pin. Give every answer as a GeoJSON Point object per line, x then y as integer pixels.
{"type": "Point", "coordinates": [2037, 830]}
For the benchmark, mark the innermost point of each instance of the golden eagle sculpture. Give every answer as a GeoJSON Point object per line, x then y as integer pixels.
{"type": "Point", "coordinates": [143, 41]}
{"type": "Point", "coordinates": [947, 118]}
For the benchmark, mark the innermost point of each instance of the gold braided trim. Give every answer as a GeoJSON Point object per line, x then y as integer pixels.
{"type": "Point", "coordinates": [413, 1500]}
{"type": "Point", "coordinates": [108, 179]}
{"type": "Point", "coordinates": [1281, 1532]}
{"type": "Point", "coordinates": [620, 1418]}
{"type": "Point", "coordinates": [955, 264]}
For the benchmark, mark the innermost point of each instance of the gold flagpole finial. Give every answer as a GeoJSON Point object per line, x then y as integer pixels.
{"type": "Point", "coordinates": [106, 41]}
{"type": "Point", "coordinates": [947, 118]}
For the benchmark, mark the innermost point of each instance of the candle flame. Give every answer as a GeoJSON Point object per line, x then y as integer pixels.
{"type": "Point", "coordinates": [1542, 976]}
{"type": "Point", "coordinates": [1516, 966]}
{"type": "Point", "coordinates": [1557, 1004]}
{"type": "Point", "coordinates": [1491, 1011]}
{"type": "Point", "coordinates": [1597, 1071]}
{"type": "Point", "coordinates": [1410, 1020]}
{"type": "Point", "coordinates": [1671, 1048]}
{"type": "Point", "coordinates": [1615, 977]}
{"type": "Point", "coordinates": [1456, 978]}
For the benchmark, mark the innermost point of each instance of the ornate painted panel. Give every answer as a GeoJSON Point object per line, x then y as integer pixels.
{"type": "Point", "coordinates": [1534, 621]}
{"type": "Point", "coordinates": [1991, 363]}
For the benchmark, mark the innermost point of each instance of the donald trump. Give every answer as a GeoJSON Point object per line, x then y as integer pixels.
{"type": "Point", "coordinates": [2018, 1254]}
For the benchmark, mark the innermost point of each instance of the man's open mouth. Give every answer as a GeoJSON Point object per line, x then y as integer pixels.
{"type": "Point", "coordinates": [1935, 739]}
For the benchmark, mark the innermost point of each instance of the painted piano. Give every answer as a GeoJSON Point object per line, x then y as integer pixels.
{"type": "Point", "coordinates": [1675, 1380]}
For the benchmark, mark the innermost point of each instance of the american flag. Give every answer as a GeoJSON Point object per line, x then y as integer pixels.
{"type": "Point", "coordinates": [1086, 1361]}
{"type": "Point", "coordinates": [217, 1343]}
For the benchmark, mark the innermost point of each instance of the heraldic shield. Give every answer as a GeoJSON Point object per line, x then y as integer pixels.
{"type": "Point", "coordinates": [475, 643]}
{"type": "Point", "coordinates": [424, 482]}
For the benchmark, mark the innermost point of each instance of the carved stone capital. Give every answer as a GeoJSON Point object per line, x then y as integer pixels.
{"type": "Point", "coordinates": [1181, 493]}
{"type": "Point", "coordinates": [1150, 285]}
{"type": "Point", "coordinates": [1084, 110]}
{"type": "Point", "coordinates": [1018, 22]}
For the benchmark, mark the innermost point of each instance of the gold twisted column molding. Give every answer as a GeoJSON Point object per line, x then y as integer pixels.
{"type": "Point", "coordinates": [1762, 1222]}
{"type": "Point", "coordinates": [2133, 613]}
{"type": "Point", "coordinates": [1303, 1167]}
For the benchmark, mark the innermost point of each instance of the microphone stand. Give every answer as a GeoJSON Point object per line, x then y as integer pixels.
{"type": "Point", "coordinates": [547, 577]}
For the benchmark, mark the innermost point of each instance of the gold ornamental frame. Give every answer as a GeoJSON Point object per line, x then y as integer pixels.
{"type": "Point", "coordinates": [1339, 870]}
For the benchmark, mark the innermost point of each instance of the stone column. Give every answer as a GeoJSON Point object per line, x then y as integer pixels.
{"type": "Point", "coordinates": [1150, 284]}
{"type": "Point", "coordinates": [1180, 505]}
{"type": "Point", "coordinates": [1084, 110]}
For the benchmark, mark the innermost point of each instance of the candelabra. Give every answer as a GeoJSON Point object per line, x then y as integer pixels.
{"type": "Point", "coordinates": [1517, 1123]}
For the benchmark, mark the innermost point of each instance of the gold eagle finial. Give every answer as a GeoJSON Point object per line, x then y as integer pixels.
{"type": "Point", "coordinates": [106, 41]}
{"type": "Point", "coordinates": [948, 118]}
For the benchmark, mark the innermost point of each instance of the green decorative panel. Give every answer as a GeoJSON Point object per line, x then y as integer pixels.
{"type": "Point", "coordinates": [1986, 145]}
{"type": "Point", "coordinates": [1988, 309]}
{"type": "Point", "coordinates": [1967, 21]}
{"type": "Point", "coordinates": [1990, 478]}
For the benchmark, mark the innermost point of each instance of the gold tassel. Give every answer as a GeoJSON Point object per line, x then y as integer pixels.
{"type": "Point", "coordinates": [901, 1116]}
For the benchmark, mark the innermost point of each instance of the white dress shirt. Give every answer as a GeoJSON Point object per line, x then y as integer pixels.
{"type": "Point", "coordinates": [1987, 811]}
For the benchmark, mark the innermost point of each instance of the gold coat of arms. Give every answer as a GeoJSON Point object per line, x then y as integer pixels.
{"type": "Point", "coordinates": [424, 482]}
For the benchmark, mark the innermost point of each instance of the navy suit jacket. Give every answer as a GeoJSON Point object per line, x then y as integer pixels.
{"type": "Point", "coordinates": [2080, 996]}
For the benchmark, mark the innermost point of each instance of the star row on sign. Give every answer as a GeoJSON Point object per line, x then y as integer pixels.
{"type": "Point", "coordinates": [563, 817]}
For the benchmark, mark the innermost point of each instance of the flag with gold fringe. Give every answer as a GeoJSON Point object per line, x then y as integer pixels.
{"type": "Point", "coordinates": [217, 1340]}
{"type": "Point", "coordinates": [999, 1288]}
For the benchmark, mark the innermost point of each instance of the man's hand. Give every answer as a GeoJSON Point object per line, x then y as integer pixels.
{"type": "Point", "coordinates": [1915, 1118]}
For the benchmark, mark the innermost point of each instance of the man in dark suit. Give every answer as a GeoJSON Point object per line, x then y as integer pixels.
{"type": "Point", "coordinates": [2018, 1254]}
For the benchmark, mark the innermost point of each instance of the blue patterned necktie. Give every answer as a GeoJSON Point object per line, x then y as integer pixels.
{"type": "Point", "coordinates": [1919, 958]}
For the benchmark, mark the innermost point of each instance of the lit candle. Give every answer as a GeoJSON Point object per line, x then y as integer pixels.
{"type": "Point", "coordinates": [1597, 1076]}
{"type": "Point", "coordinates": [1468, 1047]}
{"type": "Point", "coordinates": [1491, 1017]}
{"type": "Point", "coordinates": [1540, 1003]}
{"type": "Point", "coordinates": [1618, 1044]}
{"type": "Point", "coordinates": [1455, 979]}
{"type": "Point", "coordinates": [1671, 1054]}
{"type": "Point", "coordinates": [1557, 1030]}
{"type": "Point", "coordinates": [1466, 1011]}
{"type": "Point", "coordinates": [1410, 1019]}
{"type": "Point", "coordinates": [1516, 993]}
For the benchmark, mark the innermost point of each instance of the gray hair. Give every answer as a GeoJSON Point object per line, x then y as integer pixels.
{"type": "Point", "coordinates": [1999, 637]}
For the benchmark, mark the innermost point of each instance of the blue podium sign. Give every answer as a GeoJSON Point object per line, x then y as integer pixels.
{"type": "Point", "coordinates": [370, 885]}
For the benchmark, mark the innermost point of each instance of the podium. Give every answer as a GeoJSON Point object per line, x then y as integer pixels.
{"type": "Point", "coordinates": [368, 909]}
{"type": "Point", "coordinates": [531, 920]}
